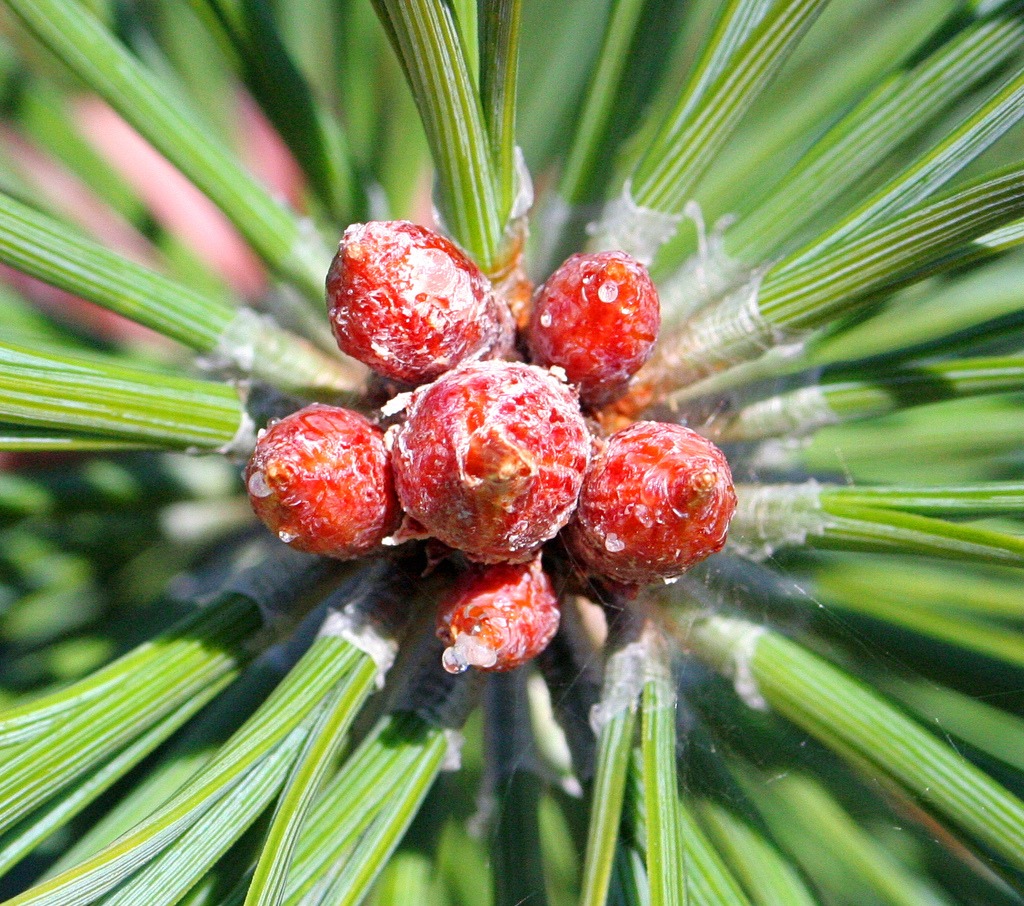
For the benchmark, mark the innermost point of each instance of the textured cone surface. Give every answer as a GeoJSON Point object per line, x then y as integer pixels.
{"type": "Point", "coordinates": [597, 318]}
{"type": "Point", "coordinates": [498, 617]}
{"type": "Point", "coordinates": [409, 304]}
{"type": "Point", "coordinates": [657, 500]}
{"type": "Point", "coordinates": [491, 459]}
{"type": "Point", "coordinates": [321, 480]}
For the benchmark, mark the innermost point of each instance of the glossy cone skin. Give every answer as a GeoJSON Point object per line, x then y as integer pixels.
{"type": "Point", "coordinates": [657, 500]}
{"type": "Point", "coordinates": [498, 617]}
{"type": "Point", "coordinates": [409, 304]}
{"type": "Point", "coordinates": [491, 459]}
{"type": "Point", "coordinates": [321, 480]}
{"type": "Point", "coordinates": [597, 318]}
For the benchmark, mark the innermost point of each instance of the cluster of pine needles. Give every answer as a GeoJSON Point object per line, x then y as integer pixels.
{"type": "Point", "coordinates": [830, 196]}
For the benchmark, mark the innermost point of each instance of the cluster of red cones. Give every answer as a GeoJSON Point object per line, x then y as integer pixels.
{"type": "Point", "coordinates": [491, 455]}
